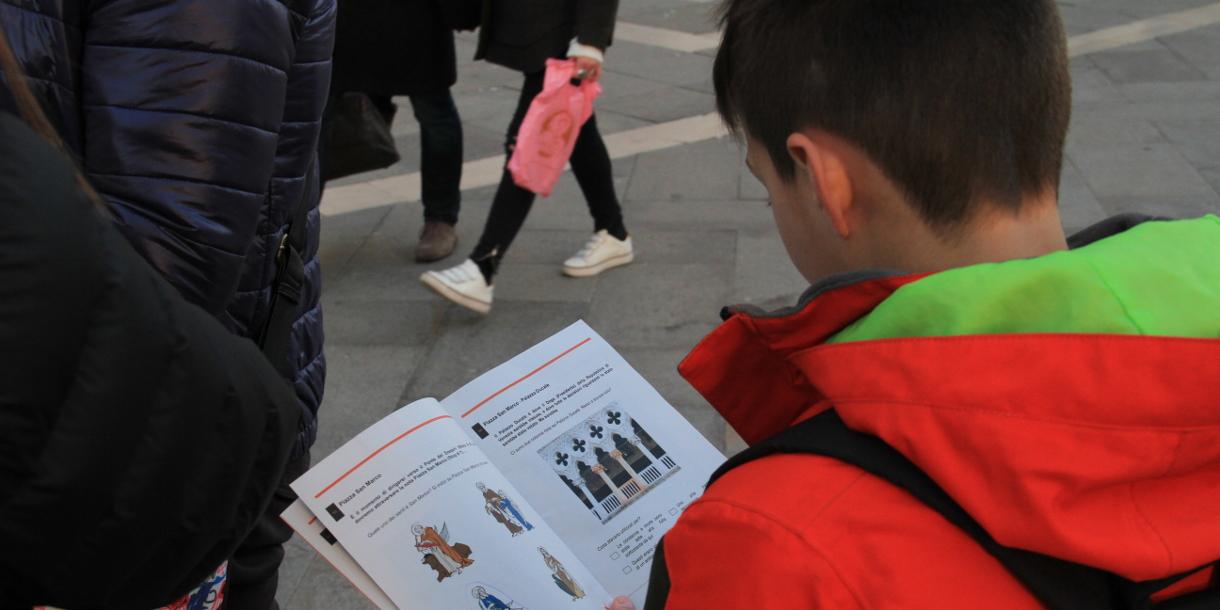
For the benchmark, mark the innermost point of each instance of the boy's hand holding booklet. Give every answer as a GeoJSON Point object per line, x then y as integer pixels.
{"type": "Point", "coordinates": [543, 484]}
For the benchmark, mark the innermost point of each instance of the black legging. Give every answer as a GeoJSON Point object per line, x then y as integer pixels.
{"type": "Point", "coordinates": [591, 165]}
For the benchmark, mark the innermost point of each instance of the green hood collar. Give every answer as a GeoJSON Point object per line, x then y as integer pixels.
{"type": "Point", "coordinates": [1158, 278]}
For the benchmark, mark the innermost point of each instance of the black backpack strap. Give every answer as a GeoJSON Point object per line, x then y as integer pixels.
{"type": "Point", "coordinates": [658, 580]}
{"type": "Point", "coordinates": [286, 293]}
{"type": "Point", "coordinates": [1058, 584]}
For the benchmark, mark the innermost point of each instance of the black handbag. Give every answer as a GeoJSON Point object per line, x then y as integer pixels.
{"type": "Point", "coordinates": [357, 138]}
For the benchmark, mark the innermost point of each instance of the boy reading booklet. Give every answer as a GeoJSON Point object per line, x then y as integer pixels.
{"type": "Point", "coordinates": [543, 484]}
{"type": "Point", "coordinates": [1001, 417]}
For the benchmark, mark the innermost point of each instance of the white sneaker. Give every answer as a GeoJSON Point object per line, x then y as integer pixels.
{"type": "Point", "coordinates": [463, 284]}
{"type": "Point", "coordinates": [603, 251]}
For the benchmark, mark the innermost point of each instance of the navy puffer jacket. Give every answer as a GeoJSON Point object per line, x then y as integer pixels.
{"type": "Point", "coordinates": [197, 121]}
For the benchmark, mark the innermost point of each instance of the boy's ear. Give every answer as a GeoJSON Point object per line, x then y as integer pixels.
{"type": "Point", "coordinates": [827, 173]}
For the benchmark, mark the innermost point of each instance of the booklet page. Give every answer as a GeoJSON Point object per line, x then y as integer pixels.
{"type": "Point", "coordinates": [608, 463]}
{"type": "Point", "coordinates": [436, 525]}
{"type": "Point", "coordinates": [311, 530]}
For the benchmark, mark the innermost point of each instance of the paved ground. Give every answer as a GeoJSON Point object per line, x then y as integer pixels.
{"type": "Point", "coordinates": [1145, 137]}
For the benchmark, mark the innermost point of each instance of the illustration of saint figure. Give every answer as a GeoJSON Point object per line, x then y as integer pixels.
{"type": "Point", "coordinates": [560, 575]}
{"type": "Point", "coordinates": [487, 601]}
{"type": "Point", "coordinates": [503, 510]}
{"type": "Point", "coordinates": [438, 553]}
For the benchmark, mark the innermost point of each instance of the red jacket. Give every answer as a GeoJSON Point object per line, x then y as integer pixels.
{"type": "Point", "coordinates": [1047, 397]}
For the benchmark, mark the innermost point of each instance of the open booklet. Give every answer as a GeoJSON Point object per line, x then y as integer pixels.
{"type": "Point", "coordinates": [543, 484]}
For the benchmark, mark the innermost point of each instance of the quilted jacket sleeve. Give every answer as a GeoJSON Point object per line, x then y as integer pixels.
{"type": "Point", "coordinates": [182, 104]}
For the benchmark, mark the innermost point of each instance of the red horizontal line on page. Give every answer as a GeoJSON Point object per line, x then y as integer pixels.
{"type": "Point", "coordinates": [379, 450]}
{"type": "Point", "coordinates": [527, 376]}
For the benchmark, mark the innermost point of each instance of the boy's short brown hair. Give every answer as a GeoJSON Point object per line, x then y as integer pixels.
{"type": "Point", "coordinates": [957, 101]}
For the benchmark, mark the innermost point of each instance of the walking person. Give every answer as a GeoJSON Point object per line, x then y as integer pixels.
{"type": "Point", "coordinates": [522, 35]}
{"type": "Point", "coordinates": [385, 48]}
{"type": "Point", "coordinates": [198, 129]}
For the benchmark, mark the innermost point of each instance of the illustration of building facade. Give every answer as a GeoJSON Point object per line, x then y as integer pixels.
{"type": "Point", "coordinates": [608, 460]}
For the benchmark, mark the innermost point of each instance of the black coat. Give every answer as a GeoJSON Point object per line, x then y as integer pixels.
{"type": "Point", "coordinates": [523, 34]}
{"type": "Point", "coordinates": [395, 47]}
{"type": "Point", "coordinates": [139, 439]}
{"type": "Point", "coordinates": [197, 121]}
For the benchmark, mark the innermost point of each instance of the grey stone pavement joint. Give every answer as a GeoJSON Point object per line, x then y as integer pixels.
{"type": "Point", "coordinates": [1145, 136]}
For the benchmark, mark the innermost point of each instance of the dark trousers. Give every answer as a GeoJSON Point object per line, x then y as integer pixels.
{"type": "Point", "coordinates": [440, 135]}
{"type": "Point", "coordinates": [591, 165]}
{"type": "Point", "coordinates": [255, 567]}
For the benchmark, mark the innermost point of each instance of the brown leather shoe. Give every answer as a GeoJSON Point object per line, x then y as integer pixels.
{"type": "Point", "coordinates": [436, 241]}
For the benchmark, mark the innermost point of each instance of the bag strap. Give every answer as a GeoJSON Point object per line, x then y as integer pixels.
{"type": "Point", "coordinates": [1058, 584]}
{"type": "Point", "coordinates": [286, 291]}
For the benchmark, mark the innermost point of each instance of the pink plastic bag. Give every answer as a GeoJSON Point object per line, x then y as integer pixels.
{"type": "Point", "coordinates": [548, 133]}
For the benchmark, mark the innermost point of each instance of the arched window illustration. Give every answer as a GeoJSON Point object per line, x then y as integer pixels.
{"type": "Point", "coordinates": [638, 460]}
{"type": "Point", "coordinates": [607, 461]}
{"type": "Point", "coordinates": [596, 484]}
{"type": "Point", "coordinates": [576, 490]}
{"type": "Point", "coordinates": [653, 447]}
{"type": "Point", "coordinates": [618, 475]}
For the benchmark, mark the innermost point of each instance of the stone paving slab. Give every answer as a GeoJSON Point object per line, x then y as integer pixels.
{"type": "Point", "coordinates": [1142, 170]}
{"type": "Point", "coordinates": [708, 170]}
{"type": "Point", "coordinates": [368, 382]}
{"type": "Point", "coordinates": [660, 304]}
{"type": "Point", "coordinates": [472, 344]}
{"type": "Point", "coordinates": [1199, 48]}
{"type": "Point", "coordinates": [662, 65]}
{"type": "Point", "coordinates": [762, 273]}
{"type": "Point", "coordinates": [1078, 206]}
{"type": "Point", "coordinates": [322, 588]}
{"type": "Point", "coordinates": [694, 18]}
{"type": "Point", "coordinates": [1090, 84]}
{"type": "Point", "coordinates": [729, 214]}
{"type": "Point", "coordinates": [1145, 137]}
{"type": "Point", "coordinates": [1145, 66]}
{"type": "Point", "coordinates": [1197, 140]}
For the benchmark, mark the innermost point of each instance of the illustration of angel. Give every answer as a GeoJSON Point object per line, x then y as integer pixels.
{"type": "Point", "coordinates": [560, 575]}
{"type": "Point", "coordinates": [439, 553]}
{"type": "Point", "coordinates": [487, 601]}
{"type": "Point", "coordinates": [503, 510]}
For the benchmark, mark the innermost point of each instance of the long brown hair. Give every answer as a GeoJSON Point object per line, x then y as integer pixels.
{"type": "Point", "coordinates": [30, 110]}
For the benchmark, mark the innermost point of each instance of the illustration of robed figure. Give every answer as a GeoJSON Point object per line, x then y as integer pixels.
{"type": "Point", "coordinates": [505, 504]}
{"type": "Point", "coordinates": [503, 510]}
{"type": "Point", "coordinates": [560, 575]}
{"type": "Point", "coordinates": [503, 519]}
